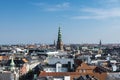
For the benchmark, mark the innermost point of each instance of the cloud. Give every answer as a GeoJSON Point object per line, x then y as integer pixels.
{"type": "Point", "coordinates": [108, 3]}
{"type": "Point", "coordinates": [113, 1]}
{"type": "Point", "coordinates": [107, 9]}
{"type": "Point", "coordinates": [38, 4]}
{"type": "Point", "coordinates": [53, 7]}
{"type": "Point", "coordinates": [58, 7]}
{"type": "Point", "coordinates": [63, 5]}
{"type": "Point", "coordinates": [95, 13]}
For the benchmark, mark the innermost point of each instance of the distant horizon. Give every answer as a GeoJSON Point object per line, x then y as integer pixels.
{"type": "Point", "coordinates": [63, 44]}
{"type": "Point", "coordinates": [81, 21]}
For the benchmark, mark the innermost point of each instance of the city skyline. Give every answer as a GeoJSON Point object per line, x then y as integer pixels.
{"type": "Point", "coordinates": [81, 21]}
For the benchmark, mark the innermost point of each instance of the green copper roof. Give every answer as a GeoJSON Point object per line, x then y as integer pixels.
{"type": "Point", "coordinates": [100, 43]}
{"type": "Point", "coordinates": [12, 62]}
{"type": "Point", "coordinates": [59, 35]}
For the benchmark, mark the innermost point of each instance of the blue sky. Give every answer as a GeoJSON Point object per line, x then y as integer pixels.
{"type": "Point", "coordinates": [81, 21]}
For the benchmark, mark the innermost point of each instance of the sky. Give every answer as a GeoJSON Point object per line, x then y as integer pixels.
{"type": "Point", "coordinates": [81, 21]}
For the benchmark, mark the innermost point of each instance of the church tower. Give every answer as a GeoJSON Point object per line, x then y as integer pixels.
{"type": "Point", "coordinates": [59, 41]}
{"type": "Point", "coordinates": [100, 45]}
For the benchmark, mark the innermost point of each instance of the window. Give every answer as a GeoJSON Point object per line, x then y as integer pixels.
{"type": "Point", "coordinates": [84, 71]}
{"type": "Point", "coordinates": [80, 71]}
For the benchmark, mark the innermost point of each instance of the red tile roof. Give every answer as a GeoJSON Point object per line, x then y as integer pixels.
{"type": "Point", "coordinates": [72, 75]}
{"type": "Point", "coordinates": [4, 57]}
{"type": "Point", "coordinates": [85, 66]}
{"type": "Point", "coordinates": [55, 74]}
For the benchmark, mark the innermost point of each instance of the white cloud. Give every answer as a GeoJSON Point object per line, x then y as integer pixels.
{"type": "Point", "coordinates": [53, 7]}
{"type": "Point", "coordinates": [106, 9]}
{"type": "Point", "coordinates": [63, 5]}
{"type": "Point", "coordinates": [95, 13]}
{"type": "Point", "coordinates": [108, 3]}
{"type": "Point", "coordinates": [58, 7]}
{"type": "Point", "coordinates": [38, 4]}
{"type": "Point", "coordinates": [113, 1]}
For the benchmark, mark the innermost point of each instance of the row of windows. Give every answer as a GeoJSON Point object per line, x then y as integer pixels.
{"type": "Point", "coordinates": [81, 71]}
{"type": "Point", "coordinates": [54, 69]}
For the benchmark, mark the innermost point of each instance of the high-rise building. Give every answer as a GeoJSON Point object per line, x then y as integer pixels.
{"type": "Point", "coordinates": [59, 41]}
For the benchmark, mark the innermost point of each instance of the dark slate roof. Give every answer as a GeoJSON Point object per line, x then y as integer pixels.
{"type": "Point", "coordinates": [42, 78]}
{"type": "Point", "coordinates": [53, 65]}
{"type": "Point", "coordinates": [87, 77]}
{"type": "Point", "coordinates": [5, 50]}
{"type": "Point", "coordinates": [5, 76]}
{"type": "Point", "coordinates": [38, 68]}
{"type": "Point", "coordinates": [17, 63]}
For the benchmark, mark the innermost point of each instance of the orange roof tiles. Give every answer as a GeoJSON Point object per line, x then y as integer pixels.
{"type": "Point", "coordinates": [4, 57]}
{"type": "Point", "coordinates": [43, 74]}
{"type": "Point", "coordinates": [85, 66]}
{"type": "Point", "coordinates": [81, 65]}
{"type": "Point", "coordinates": [73, 75]}
{"type": "Point", "coordinates": [25, 60]}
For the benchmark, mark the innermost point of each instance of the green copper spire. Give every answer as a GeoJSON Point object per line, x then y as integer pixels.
{"type": "Point", "coordinates": [59, 41]}
{"type": "Point", "coordinates": [12, 64]}
{"type": "Point", "coordinates": [100, 43]}
{"type": "Point", "coordinates": [59, 35]}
